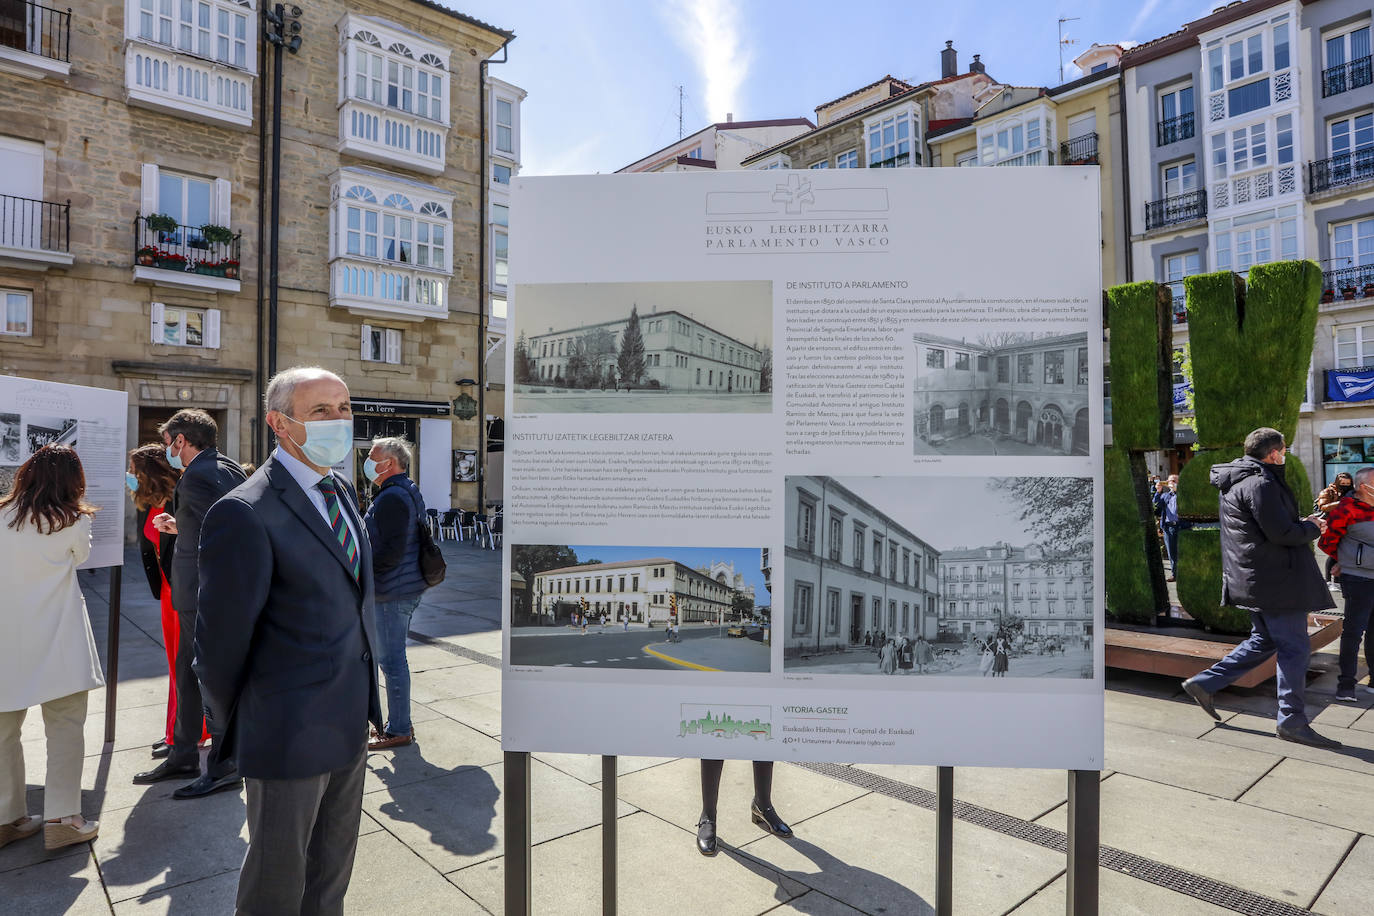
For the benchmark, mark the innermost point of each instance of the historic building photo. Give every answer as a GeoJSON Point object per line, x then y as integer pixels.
{"type": "Point", "coordinates": [644, 348]}
{"type": "Point", "coordinates": [949, 576]}
{"type": "Point", "coordinates": [1002, 394]}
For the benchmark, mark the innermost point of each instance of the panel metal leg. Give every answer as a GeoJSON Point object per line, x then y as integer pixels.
{"type": "Point", "coordinates": [112, 653]}
{"type": "Point", "coordinates": [1085, 808]}
{"type": "Point", "coordinates": [519, 865]}
{"type": "Point", "coordinates": [608, 835]}
{"type": "Point", "coordinates": [944, 841]}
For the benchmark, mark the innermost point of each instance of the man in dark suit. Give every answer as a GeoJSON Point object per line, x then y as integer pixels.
{"type": "Point", "coordinates": [284, 647]}
{"type": "Point", "coordinates": [206, 475]}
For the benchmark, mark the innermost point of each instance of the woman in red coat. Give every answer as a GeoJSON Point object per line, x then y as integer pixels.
{"type": "Point", "coordinates": [151, 480]}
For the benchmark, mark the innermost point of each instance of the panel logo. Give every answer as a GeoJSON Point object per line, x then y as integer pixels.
{"type": "Point", "coordinates": [727, 722]}
{"type": "Point", "coordinates": [797, 215]}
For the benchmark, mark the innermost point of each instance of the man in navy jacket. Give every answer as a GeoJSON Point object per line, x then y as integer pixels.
{"type": "Point", "coordinates": [393, 522]}
{"type": "Point", "coordinates": [284, 644]}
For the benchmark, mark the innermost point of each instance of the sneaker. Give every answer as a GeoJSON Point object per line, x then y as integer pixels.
{"type": "Point", "coordinates": [1347, 696]}
{"type": "Point", "coordinates": [1365, 688]}
{"type": "Point", "coordinates": [1334, 586]}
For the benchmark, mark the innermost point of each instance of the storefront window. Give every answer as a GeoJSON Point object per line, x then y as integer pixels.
{"type": "Point", "coordinates": [1348, 455]}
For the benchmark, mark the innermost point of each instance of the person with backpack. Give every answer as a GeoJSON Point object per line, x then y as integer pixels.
{"type": "Point", "coordinates": [393, 526]}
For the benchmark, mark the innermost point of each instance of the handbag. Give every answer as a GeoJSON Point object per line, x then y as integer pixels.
{"type": "Point", "coordinates": [432, 565]}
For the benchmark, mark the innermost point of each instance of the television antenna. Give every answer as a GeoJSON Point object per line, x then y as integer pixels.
{"type": "Point", "coordinates": [1065, 41]}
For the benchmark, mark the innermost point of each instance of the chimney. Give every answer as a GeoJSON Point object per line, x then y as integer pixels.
{"type": "Point", "coordinates": [729, 117]}
{"type": "Point", "coordinates": [949, 61]}
{"type": "Point", "coordinates": [977, 65]}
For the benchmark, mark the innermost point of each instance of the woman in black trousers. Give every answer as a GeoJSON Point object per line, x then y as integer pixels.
{"type": "Point", "coordinates": [760, 810]}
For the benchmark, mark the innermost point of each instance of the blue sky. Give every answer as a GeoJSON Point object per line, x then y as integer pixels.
{"type": "Point", "coordinates": [746, 560]}
{"type": "Point", "coordinates": [602, 75]}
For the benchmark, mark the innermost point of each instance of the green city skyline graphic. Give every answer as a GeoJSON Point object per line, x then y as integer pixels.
{"type": "Point", "coordinates": [725, 721]}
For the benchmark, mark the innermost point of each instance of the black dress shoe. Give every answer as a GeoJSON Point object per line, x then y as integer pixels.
{"type": "Point", "coordinates": [706, 837]}
{"type": "Point", "coordinates": [768, 819]}
{"type": "Point", "coordinates": [209, 785]}
{"type": "Point", "coordinates": [1203, 698]}
{"type": "Point", "coordinates": [167, 770]}
{"type": "Point", "coordinates": [161, 750]}
{"type": "Point", "coordinates": [1305, 735]}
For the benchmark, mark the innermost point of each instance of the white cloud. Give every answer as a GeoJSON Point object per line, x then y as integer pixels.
{"type": "Point", "coordinates": [711, 32]}
{"type": "Point", "coordinates": [1147, 10]}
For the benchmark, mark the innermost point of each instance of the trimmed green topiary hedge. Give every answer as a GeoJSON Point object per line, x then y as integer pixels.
{"type": "Point", "coordinates": [1130, 592]}
{"type": "Point", "coordinates": [1197, 498]}
{"type": "Point", "coordinates": [1250, 348]}
{"type": "Point", "coordinates": [1139, 316]}
{"type": "Point", "coordinates": [1199, 582]}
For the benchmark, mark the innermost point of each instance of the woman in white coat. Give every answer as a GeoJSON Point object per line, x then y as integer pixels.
{"type": "Point", "coordinates": [50, 654]}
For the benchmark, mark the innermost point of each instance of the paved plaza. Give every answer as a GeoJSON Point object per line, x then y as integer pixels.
{"type": "Point", "coordinates": [1225, 809]}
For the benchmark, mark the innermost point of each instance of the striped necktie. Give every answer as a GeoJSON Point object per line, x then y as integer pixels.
{"type": "Point", "coordinates": [339, 525]}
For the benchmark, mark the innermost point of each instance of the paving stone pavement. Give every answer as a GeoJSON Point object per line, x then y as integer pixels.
{"type": "Point", "coordinates": [1224, 802]}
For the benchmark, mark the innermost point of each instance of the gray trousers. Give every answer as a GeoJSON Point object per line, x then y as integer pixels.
{"type": "Point", "coordinates": [302, 834]}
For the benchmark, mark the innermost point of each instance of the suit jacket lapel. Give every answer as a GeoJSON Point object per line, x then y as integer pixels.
{"type": "Point", "coordinates": [305, 510]}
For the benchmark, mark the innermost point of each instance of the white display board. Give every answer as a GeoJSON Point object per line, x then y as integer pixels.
{"type": "Point", "coordinates": [844, 429]}
{"type": "Point", "coordinates": [35, 413]}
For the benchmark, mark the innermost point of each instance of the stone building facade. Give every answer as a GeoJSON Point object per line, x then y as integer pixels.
{"type": "Point", "coordinates": [642, 590]}
{"type": "Point", "coordinates": [983, 586]}
{"type": "Point", "coordinates": [150, 115]}
{"type": "Point", "coordinates": [851, 569]}
{"type": "Point", "coordinates": [1033, 391]}
{"type": "Point", "coordinates": [680, 353]}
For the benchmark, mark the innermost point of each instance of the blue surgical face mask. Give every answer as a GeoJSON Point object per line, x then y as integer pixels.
{"type": "Point", "coordinates": [173, 460]}
{"type": "Point", "coordinates": [370, 470]}
{"type": "Point", "coordinates": [327, 442]}
{"type": "Point", "coordinates": [131, 482]}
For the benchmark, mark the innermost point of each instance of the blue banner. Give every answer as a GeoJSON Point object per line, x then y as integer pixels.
{"type": "Point", "coordinates": [1181, 390]}
{"type": "Point", "coordinates": [1342, 385]}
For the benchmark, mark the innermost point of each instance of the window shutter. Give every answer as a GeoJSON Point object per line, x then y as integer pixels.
{"type": "Point", "coordinates": [148, 200]}
{"type": "Point", "coordinates": [367, 342]}
{"type": "Point", "coordinates": [222, 189]}
{"type": "Point", "coordinates": [157, 321]}
{"type": "Point", "coordinates": [211, 338]}
{"type": "Point", "coordinates": [393, 347]}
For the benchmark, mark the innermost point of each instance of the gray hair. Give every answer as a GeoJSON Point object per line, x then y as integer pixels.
{"type": "Point", "coordinates": [397, 447]}
{"type": "Point", "coordinates": [1262, 441]}
{"type": "Point", "coordinates": [281, 390]}
{"type": "Point", "coordinates": [1361, 477]}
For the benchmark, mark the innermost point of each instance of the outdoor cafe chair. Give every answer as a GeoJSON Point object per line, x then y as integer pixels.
{"type": "Point", "coordinates": [449, 524]}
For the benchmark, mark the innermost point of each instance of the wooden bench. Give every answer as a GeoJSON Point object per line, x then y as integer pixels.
{"type": "Point", "coordinates": [1184, 656]}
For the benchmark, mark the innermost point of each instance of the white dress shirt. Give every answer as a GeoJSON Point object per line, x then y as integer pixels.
{"type": "Point", "coordinates": [309, 478]}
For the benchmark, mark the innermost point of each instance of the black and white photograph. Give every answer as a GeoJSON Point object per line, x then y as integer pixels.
{"type": "Point", "coordinates": [644, 347]}
{"type": "Point", "coordinates": [657, 608]}
{"type": "Point", "coordinates": [1000, 393]}
{"type": "Point", "coordinates": [11, 439]}
{"type": "Point", "coordinates": [987, 577]}
{"type": "Point", "coordinates": [41, 431]}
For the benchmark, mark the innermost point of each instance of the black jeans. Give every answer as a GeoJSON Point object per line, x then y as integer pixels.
{"type": "Point", "coordinates": [1359, 603]}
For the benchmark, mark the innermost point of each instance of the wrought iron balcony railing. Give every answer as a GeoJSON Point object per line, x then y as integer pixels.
{"type": "Point", "coordinates": [160, 243]}
{"type": "Point", "coordinates": [1181, 208]}
{"type": "Point", "coordinates": [1171, 130]}
{"type": "Point", "coordinates": [1345, 279]}
{"type": "Point", "coordinates": [1346, 168]}
{"type": "Point", "coordinates": [36, 29]}
{"type": "Point", "coordinates": [39, 225]}
{"type": "Point", "coordinates": [1080, 150]}
{"type": "Point", "coordinates": [1344, 77]}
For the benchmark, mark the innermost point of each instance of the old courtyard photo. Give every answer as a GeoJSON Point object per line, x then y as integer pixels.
{"type": "Point", "coordinates": [658, 608]}
{"type": "Point", "coordinates": [938, 576]}
{"type": "Point", "coordinates": [1005, 393]}
{"type": "Point", "coordinates": [644, 348]}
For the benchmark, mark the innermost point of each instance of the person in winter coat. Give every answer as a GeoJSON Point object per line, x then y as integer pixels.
{"type": "Point", "coordinates": [393, 527]}
{"type": "Point", "coordinates": [1349, 540]}
{"type": "Point", "coordinates": [50, 655]}
{"type": "Point", "coordinates": [1268, 569]}
{"type": "Point", "coordinates": [1325, 502]}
